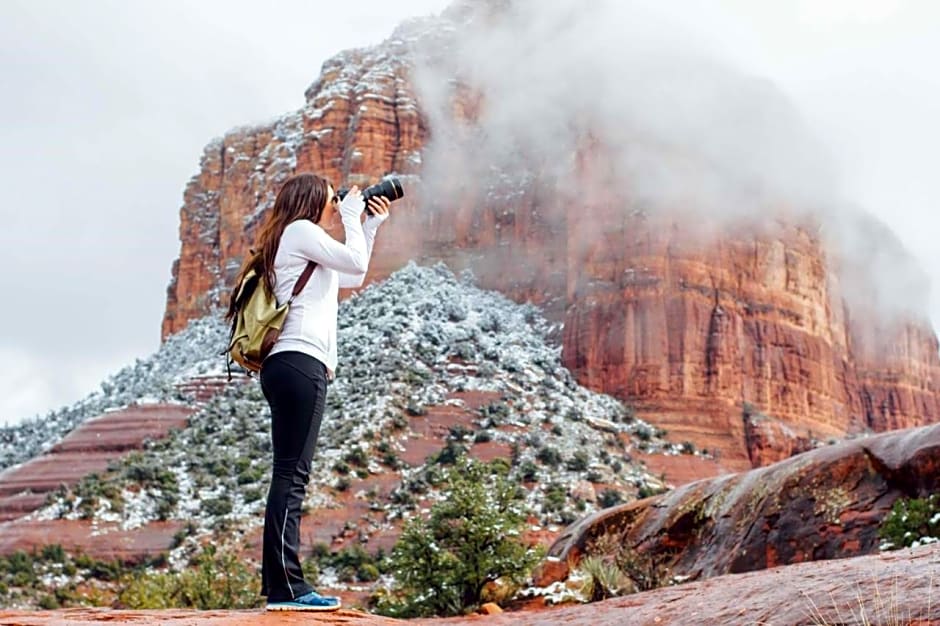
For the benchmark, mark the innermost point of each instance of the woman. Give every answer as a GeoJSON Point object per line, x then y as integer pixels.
{"type": "Point", "coordinates": [295, 374]}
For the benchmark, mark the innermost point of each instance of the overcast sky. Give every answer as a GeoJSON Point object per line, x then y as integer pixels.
{"type": "Point", "coordinates": [108, 105]}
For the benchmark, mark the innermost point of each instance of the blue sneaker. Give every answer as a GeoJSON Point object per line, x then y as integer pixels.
{"type": "Point", "coordinates": [312, 601]}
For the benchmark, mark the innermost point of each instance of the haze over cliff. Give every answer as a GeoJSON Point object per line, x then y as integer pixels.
{"type": "Point", "coordinates": [678, 127]}
{"type": "Point", "coordinates": [669, 211]}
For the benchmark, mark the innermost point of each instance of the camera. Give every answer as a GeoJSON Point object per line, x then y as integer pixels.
{"type": "Point", "coordinates": [388, 188]}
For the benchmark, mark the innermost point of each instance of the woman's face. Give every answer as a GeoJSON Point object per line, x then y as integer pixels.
{"type": "Point", "coordinates": [329, 210]}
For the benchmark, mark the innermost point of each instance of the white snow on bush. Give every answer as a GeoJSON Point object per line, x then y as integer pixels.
{"type": "Point", "coordinates": [404, 344]}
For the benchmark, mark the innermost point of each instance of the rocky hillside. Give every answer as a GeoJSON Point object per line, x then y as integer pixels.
{"type": "Point", "coordinates": [690, 323]}
{"type": "Point", "coordinates": [431, 368]}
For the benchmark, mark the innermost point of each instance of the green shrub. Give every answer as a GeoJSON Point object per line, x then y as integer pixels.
{"type": "Point", "coordinates": [648, 491]}
{"type": "Point", "coordinates": [19, 568]}
{"type": "Point", "coordinates": [357, 456]}
{"type": "Point", "coordinates": [218, 506]}
{"type": "Point", "coordinates": [253, 494]}
{"type": "Point", "coordinates": [311, 569]}
{"type": "Point", "coordinates": [217, 580]}
{"type": "Point", "coordinates": [549, 456]}
{"type": "Point", "coordinates": [449, 454]}
{"type": "Point", "coordinates": [48, 602]}
{"type": "Point", "coordinates": [529, 471]}
{"type": "Point", "coordinates": [497, 412]}
{"type": "Point", "coordinates": [578, 462]}
{"type": "Point", "coordinates": [367, 572]}
{"type": "Point", "coordinates": [554, 498]}
{"type": "Point", "coordinates": [482, 436]}
{"type": "Point", "coordinates": [250, 475]}
{"type": "Point", "coordinates": [911, 521]}
{"type": "Point", "coordinates": [442, 564]}
{"type": "Point", "coordinates": [352, 563]}
{"type": "Point", "coordinates": [102, 570]}
{"type": "Point", "coordinates": [459, 432]}
{"type": "Point", "coordinates": [53, 552]}
{"type": "Point", "coordinates": [610, 497]}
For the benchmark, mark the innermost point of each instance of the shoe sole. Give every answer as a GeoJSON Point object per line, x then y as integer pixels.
{"type": "Point", "coordinates": [301, 607]}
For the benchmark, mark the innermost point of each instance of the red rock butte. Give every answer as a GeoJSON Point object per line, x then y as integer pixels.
{"type": "Point", "coordinates": [688, 329]}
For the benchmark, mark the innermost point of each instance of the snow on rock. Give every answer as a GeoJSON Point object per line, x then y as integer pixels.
{"type": "Point", "coordinates": [411, 342]}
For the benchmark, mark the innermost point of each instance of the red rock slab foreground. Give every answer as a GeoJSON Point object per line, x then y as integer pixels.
{"type": "Point", "coordinates": [900, 588]}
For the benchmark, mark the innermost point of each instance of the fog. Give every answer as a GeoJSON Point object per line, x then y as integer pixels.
{"type": "Point", "coordinates": [685, 122]}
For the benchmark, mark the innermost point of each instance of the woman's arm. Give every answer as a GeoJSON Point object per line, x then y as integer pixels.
{"type": "Point", "coordinates": [372, 224]}
{"type": "Point", "coordinates": [311, 242]}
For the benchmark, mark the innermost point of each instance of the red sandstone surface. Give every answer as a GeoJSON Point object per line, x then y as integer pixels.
{"type": "Point", "coordinates": [102, 541]}
{"type": "Point", "coordinates": [685, 327]}
{"type": "Point", "coordinates": [890, 588]}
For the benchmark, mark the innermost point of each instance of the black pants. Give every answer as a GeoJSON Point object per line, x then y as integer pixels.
{"type": "Point", "coordinates": [294, 384]}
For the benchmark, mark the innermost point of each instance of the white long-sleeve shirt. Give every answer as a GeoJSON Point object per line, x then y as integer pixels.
{"type": "Point", "coordinates": [310, 326]}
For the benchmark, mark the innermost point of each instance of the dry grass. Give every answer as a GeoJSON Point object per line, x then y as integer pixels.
{"type": "Point", "coordinates": [871, 607]}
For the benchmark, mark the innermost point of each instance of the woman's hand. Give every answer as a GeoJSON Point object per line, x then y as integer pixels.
{"type": "Point", "coordinates": [352, 203]}
{"type": "Point", "coordinates": [379, 206]}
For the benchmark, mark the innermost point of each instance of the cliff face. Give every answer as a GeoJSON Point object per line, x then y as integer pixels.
{"type": "Point", "coordinates": [690, 328]}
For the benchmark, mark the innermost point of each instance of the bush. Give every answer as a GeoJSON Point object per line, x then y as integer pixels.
{"type": "Point", "coordinates": [497, 412]}
{"type": "Point", "coordinates": [613, 568]}
{"type": "Point", "coordinates": [449, 454]}
{"type": "Point", "coordinates": [912, 521]}
{"type": "Point", "coordinates": [218, 506]}
{"type": "Point", "coordinates": [353, 563]}
{"type": "Point", "coordinates": [218, 580]}
{"type": "Point", "coordinates": [549, 456]}
{"type": "Point", "coordinates": [578, 462]}
{"type": "Point", "coordinates": [610, 497]}
{"type": "Point", "coordinates": [357, 456]}
{"type": "Point", "coordinates": [442, 564]}
{"type": "Point", "coordinates": [529, 471]}
{"type": "Point", "coordinates": [555, 496]}
{"type": "Point", "coordinates": [603, 579]}
{"type": "Point", "coordinates": [648, 491]}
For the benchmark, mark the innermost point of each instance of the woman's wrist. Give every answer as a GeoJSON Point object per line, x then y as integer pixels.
{"type": "Point", "coordinates": [373, 222]}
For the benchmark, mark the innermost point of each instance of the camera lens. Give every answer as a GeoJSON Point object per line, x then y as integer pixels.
{"type": "Point", "coordinates": [388, 188]}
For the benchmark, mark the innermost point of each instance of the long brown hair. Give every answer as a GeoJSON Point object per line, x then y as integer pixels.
{"type": "Point", "coordinates": [302, 196]}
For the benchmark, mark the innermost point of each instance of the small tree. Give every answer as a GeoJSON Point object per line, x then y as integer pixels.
{"type": "Point", "coordinates": [472, 538]}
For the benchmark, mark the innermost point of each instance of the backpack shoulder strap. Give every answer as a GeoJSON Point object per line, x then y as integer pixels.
{"type": "Point", "coordinates": [302, 280]}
